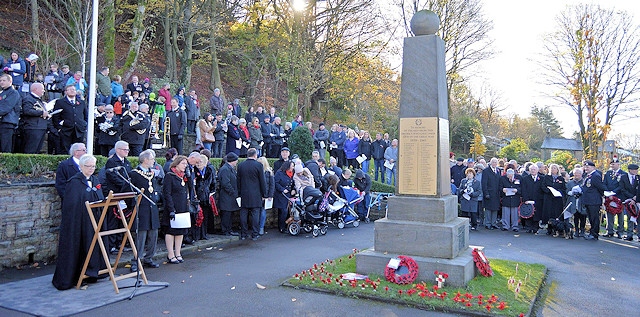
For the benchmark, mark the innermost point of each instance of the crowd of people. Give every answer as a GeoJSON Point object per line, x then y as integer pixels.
{"type": "Point", "coordinates": [536, 197]}
{"type": "Point", "coordinates": [136, 113]}
{"type": "Point", "coordinates": [188, 186]}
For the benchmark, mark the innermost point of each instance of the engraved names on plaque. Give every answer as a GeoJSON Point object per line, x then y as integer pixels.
{"type": "Point", "coordinates": [418, 156]}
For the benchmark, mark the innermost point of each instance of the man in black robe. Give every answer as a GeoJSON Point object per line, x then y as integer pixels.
{"type": "Point", "coordinates": [76, 230]}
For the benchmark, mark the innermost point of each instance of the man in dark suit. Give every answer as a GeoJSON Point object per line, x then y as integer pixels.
{"type": "Point", "coordinates": [227, 202]}
{"type": "Point", "coordinates": [34, 119]}
{"type": "Point", "coordinates": [135, 85]}
{"type": "Point", "coordinates": [613, 182]}
{"type": "Point", "coordinates": [491, 191]}
{"type": "Point", "coordinates": [592, 190]}
{"type": "Point", "coordinates": [253, 189]}
{"type": "Point", "coordinates": [72, 121]}
{"type": "Point", "coordinates": [178, 123]}
{"type": "Point", "coordinates": [69, 167]}
{"type": "Point", "coordinates": [118, 167]}
{"type": "Point", "coordinates": [628, 191]}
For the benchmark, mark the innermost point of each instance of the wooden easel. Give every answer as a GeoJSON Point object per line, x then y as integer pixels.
{"type": "Point", "coordinates": [112, 200]}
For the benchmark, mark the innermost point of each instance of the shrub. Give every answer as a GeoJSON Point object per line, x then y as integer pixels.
{"type": "Point", "coordinates": [38, 164]}
{"type": "Point", "coordinates": [301, 143]}
{"type": "Point", "coordinates": [381, 187]}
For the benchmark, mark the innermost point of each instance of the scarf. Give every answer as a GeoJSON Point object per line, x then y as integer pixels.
{"type": "Point", "coordinates": [178, 173]}
{"type": "Point", "coordinates": [289, 173]}
{"type": "Point", "coordinates": [245, 131]}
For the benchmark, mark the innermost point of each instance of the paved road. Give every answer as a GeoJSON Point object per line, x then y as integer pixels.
{"type": "Point", "coordinates": [587, 278]}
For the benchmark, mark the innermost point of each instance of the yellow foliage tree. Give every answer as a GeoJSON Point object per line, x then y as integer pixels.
{"type": "Point", "coordinates": [477, 148]}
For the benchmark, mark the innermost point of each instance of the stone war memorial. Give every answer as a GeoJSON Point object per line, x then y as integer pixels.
{"type": "Point", "coordinates": [422, 220]}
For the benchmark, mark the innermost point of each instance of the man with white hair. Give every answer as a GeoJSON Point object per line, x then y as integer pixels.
{"type": "Point", "coordinates": [491, 191]}
{"type": "Point", "coordinates": [216, 102]}
{"type": "Point", "coordinates": [69, 167]}
{"type": "Point", "coordinates": [118, 169]}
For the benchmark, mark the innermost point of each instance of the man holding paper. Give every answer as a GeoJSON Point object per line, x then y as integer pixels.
{"type": "Point", "coordinates": [553, 188]}
{"type": "Point", "coordinates": [510, 192]}
{"type": "Point", "coordinates": [390, 158]}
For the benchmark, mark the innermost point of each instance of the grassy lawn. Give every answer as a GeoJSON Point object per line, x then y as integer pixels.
{"type": "Point", "coordinates": [485, 295]}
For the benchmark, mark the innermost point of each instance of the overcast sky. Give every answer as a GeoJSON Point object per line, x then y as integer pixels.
{"type": "Point", "coordinates": [519, 27]}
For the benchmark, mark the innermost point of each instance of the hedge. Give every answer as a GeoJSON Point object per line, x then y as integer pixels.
{"type": "Point", "coordinates": [40, 164]}
{"type": "Point", "coordinates": [36, 165]}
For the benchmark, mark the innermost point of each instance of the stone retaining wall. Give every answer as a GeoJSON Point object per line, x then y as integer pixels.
{"type": "Point", "coordinates": [29, 221]}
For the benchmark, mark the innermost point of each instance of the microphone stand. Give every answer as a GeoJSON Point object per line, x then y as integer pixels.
{"type": "Point", "coordinates": [137, 283]}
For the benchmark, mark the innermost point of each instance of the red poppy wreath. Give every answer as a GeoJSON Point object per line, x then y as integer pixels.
{"type": "Point", "coordinates": [406, 273]}
{"type": "Point", "coordinates": [482, 263]}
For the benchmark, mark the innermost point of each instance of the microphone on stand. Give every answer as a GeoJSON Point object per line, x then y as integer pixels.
{"type": "Point", "coordinates": [113, 169]}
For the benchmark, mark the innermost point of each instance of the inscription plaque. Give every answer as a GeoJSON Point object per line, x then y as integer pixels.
{"type": "Point", "coordinates": [418, 156]}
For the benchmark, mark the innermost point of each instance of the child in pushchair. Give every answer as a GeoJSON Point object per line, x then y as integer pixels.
{"type": "Point", "coordinates": [339, 204]}
{"type": "Point", "coordinates": [305, 213]}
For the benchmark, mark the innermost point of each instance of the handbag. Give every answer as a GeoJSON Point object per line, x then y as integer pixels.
{"type": "Point", "coordinates": [209, 137]}
{"type": "Point", "coordinates": [526, 211]}
{"type": "Point", "coordinates": [181, 221]}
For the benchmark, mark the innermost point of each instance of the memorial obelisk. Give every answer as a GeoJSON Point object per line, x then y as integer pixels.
{"type": "Point", "coordinates": [422, 219]}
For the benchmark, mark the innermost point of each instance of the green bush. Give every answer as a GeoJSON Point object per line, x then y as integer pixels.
{"type": "Point", "coordinates": [36, 165]}
{"type": "Point", "coordinates": [381, 187]}
{"type": "Point", "coordinates": [301, 143]}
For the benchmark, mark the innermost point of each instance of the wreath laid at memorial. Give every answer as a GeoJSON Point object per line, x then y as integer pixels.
{"type": "Point", "coordinates": [406, 273]}
{"type": "Point", "coordinates": [482, 263]}
{"type": "Point", "coordinates": [613, 205]}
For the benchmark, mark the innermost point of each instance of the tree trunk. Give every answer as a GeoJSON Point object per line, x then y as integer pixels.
{"type": "Point", "coordinates": [109, 36]}
{"type": "Point", "coordinates": [169, 55]}
{"type": "Point", "coordinates": [185, 55]}
{"type": "Point", "coordinates": [215, 81]}
{"type": "Point", "coordinates": [35, 23]}
{"type": "Point", "coordinates": [138, 31]}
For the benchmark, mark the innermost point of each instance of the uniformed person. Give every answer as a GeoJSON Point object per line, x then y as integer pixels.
{"type": "Point", "coordinates": [134, 128]}
{"type": "Point", "coordinates": [592, 190]}
{"type": "Point", "coordinates": [612, 181]}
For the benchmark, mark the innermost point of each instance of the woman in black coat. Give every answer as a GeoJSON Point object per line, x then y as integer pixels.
{"type": "Point", "coordinates": [176, 190]}
{"type": "Point", "coordinates": [284, 189]}
{"type": "Point", "coordinates": [552, 206]}
{"type": "Point", "coordinates": [76, 230]}
{"type": "Point", "coordinates": [233, 134]}
{"type": "Point", "coordinates": [204, 176]}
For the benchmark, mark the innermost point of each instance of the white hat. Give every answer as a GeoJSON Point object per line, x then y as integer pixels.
{"type": "Point", "coordinates": [32, 57]}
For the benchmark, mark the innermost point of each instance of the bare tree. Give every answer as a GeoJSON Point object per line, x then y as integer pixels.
{"type": "Point", "coordinates": [73, 24]}
{"type": "Point", "coordinates": [464, 29]}
{"type": "Point", "coordinates": [593, 61]}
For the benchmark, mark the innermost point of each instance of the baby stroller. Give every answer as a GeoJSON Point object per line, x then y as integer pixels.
{"type": "Point", "coordinates": [342, 211]}
{"type": "Point", "coordinates": [306, 214]}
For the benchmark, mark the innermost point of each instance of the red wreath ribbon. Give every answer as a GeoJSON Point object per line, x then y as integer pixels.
{"type": "Point", "coordinates": [613, 205]}
{"type": "Point", "coordinates": [199, 217]}
{"type": "Point", "coordinates": [410, 264]}
{"type": "Point", "coordinates": [482, 265]}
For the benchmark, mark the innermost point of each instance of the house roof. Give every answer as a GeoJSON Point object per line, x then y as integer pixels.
{"type": "Point", "coordinates": [561, 144]}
